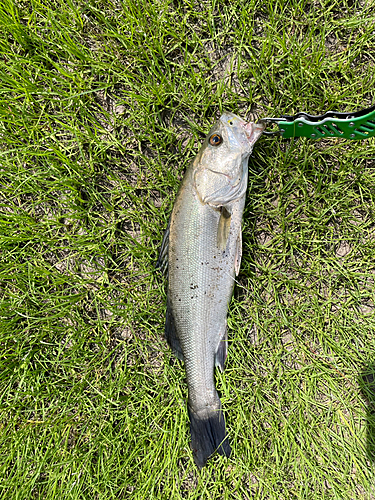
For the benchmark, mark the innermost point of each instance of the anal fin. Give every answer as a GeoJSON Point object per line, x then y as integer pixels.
{"type": "Point", "coordinates": [222, 351]}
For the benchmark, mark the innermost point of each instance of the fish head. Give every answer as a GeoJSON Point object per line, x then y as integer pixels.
{"type": "Point", "coordinates": [220, 175]}
{"type": "Point", "coordinates": [238, 134]}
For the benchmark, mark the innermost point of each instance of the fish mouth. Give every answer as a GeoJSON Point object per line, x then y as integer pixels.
{"type": "Point", "coordinates": [253, 131]}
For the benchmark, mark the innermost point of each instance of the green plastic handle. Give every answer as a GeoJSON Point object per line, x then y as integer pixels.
{"type": "Point", "coordinates": [351, 127]}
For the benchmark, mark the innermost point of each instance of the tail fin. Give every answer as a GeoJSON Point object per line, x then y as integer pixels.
{"type": "Point", "coordinates": [208, 435]}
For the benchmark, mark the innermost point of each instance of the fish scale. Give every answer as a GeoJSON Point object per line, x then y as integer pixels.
{"type": "Point", "coordinates": [204, 251]}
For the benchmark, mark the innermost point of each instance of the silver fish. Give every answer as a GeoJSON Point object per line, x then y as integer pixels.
{"type": "Point", "coordinates": [201, 254]}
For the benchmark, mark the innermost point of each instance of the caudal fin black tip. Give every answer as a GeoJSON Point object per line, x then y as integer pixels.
{"type": "Point", "coordinates": [208, 435]}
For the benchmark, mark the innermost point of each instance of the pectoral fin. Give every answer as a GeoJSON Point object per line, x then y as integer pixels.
{"type": "Point", "coordinates": [223, 228]}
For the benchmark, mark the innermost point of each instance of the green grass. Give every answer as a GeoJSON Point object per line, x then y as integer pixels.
{"type": "Point", "coordinates": [103, 105]}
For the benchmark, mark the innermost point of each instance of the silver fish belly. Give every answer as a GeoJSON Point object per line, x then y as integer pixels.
{"type": "Point", "coordinates": [202, 253]}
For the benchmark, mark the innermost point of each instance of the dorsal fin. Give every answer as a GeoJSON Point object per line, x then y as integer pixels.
{"type": "Point", "coordinates": [162, 262]}
{"type": "Point", "coordinates": [171, 335]}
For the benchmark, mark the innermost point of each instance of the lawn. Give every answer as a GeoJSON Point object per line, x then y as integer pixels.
{"type": "Point", "coordinates": [103, 105]}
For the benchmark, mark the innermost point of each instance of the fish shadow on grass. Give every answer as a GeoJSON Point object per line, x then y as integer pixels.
{"type": "Point", "coordinates": [367, 385]}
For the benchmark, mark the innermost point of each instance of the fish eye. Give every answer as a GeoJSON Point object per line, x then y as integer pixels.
{"type": "Point", "coordinates": [215, 140]}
